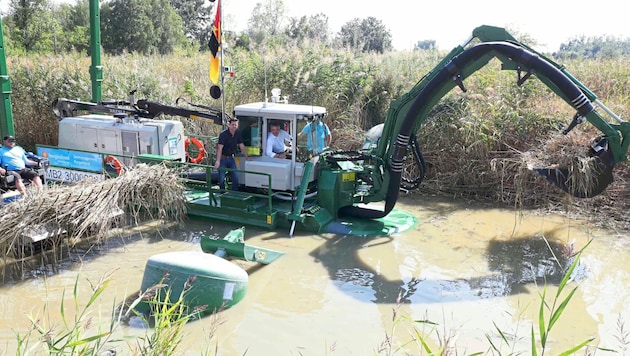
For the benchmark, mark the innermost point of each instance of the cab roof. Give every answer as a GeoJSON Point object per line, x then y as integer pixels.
{"type": "Point", "coordinates": [279, 110]}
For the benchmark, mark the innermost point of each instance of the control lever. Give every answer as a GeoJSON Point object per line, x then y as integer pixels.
{"type": "Point", "coordinates": [577, 119]}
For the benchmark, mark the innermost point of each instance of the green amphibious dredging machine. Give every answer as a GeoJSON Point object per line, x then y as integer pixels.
{"type": "Point", "coordinates": [351, 192]}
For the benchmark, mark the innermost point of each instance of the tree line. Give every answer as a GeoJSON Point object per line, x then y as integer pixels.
{"type": "Point", "coordinates": [167, 26]}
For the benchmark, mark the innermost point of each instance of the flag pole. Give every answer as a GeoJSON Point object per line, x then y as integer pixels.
{"type": "Point", "coordinates": [222, 67]}
{"type": "Point", "coordinates": [216, 60]}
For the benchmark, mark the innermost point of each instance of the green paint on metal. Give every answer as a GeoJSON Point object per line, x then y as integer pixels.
{"type": "Point", "coordinates": [336, 189]}
{"type": "Point", "coordinates": [316, 218]}
{"type": "Point", "coordinates": [233, 246]}
{"type": "Point", "coordinates": [6, 111]}
{"type": "Point", "coordinates": [96, 69]}
{"type": "Point", "coordinates": [299, 203]}
{"type": "Point", "coordinates": [395, 222]}
{"type": "Point", "coordinates": [207, 282]}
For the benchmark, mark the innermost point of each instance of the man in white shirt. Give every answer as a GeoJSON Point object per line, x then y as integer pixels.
{"type": "Point", "coordinates": [278, 141]}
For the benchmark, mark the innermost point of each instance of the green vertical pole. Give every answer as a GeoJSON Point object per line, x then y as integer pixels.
{"type": "Point", "coordinates": [296, 214]}
{"type": "Point", "coordinates": [96, 69]}
{"type": "Point", "coordinates": [6, 111]}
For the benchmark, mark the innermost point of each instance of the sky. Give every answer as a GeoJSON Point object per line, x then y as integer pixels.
{"type": "Point", "coordinates": [450, 23]}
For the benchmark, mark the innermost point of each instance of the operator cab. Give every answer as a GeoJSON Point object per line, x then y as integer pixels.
{"type": "Point", "coordinates": [255, 121]}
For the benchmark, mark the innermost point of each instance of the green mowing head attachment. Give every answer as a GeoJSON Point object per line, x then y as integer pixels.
{"type": "Point", "coordinates": [585, 177]}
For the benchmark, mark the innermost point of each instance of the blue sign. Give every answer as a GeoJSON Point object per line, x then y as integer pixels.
{"type": "Point", "coordinates": [72, 159]}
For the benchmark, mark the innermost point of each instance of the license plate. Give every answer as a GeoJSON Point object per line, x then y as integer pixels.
{"type": "Point", "coordinates": [70, 176]}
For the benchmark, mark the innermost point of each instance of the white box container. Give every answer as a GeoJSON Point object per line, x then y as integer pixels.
{"type": "Point", "coordinates": [279, 169]}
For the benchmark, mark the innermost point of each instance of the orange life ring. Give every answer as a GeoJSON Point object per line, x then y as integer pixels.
{"type": "Point", "coordinates": [114, 162]}
{"type": "Point", "coordinates": [200, 148]}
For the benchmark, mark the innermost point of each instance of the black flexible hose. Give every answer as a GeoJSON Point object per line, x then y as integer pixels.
{"type": "Point", "coordinates": [436, 85]}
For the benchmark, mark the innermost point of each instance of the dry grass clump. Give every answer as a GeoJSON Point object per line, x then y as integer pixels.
{"type": "Point", "coordinates": [506, 176]}
{"type": "Point", "coordinates": [346, 137]}
{"type": "Point", "coordinates": [569, 152]}
{"type": "Point", "coordinates": [91, 208]}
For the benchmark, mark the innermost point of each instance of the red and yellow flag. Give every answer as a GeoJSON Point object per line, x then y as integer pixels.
{"type": "Point", "coordinates": [215, 46]}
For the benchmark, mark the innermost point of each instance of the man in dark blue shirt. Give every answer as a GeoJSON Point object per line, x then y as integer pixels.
{"type": "Point", "coordinates": [229, 139]}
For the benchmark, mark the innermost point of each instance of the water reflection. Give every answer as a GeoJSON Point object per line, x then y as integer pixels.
{"type": "Point", "coordinates": [512, 265]}
{"type": "Point", "coordinates": [54, 257]}
{"type": "Point", "coordinates": [531, 259]}
{"type": "Point", "coordinates": [478, 266]}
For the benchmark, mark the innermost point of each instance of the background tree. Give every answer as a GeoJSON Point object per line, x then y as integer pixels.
{"type": "Point", "coordinates": [366, 35]}
{"type": "Point", "coordinates": [197, 17]}
{"type": "Point", "coordinates": [242, 41]}
{"type": "Point", "coordinates": [75, 26]}
{"type": "Point", "coordinates": [266, 21]}
{"type": "Point", "coordinates": [169, 27]}
{"type": "Point", "coordinates": [350, 35]}
{"type": "Point", "coordinates": [143, 26]}
{"type": "Point", "coordinates": [594, 47]}
{"type": "Point", "coordinates": [34, 28]}
{"type": "Point", "coordinates": [314, 28]}
{"type": "Point", "coordinates": [425, 45]}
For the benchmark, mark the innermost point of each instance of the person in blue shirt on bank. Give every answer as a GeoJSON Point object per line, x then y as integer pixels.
{"type": "Point", "coordinates": [323, 137]}
{"type": "Point", "coordinates": [229, 139]}
{"type": "Point", "coordinates": [13, 161]}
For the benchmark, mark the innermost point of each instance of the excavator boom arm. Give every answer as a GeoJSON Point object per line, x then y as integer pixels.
{"type": "Point", "coordinates": [407, 113]}
{"type": "Point", "coordinates": [142, 109]}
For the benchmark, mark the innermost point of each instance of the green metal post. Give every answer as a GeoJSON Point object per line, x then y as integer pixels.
{"type": "Point", "coordinates": [296, 214]}
{"type": "Point", "coordinates": [6, 111]}
{"type": "Point", "coordinates": [233, 246]}
{"type": "Point", "coordinates": [96, 69]}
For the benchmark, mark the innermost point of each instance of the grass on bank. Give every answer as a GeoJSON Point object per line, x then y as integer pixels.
{"type": "Point", "coordinates": [85, 331]}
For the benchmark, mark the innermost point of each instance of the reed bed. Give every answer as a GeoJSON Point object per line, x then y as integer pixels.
{"type": "Point", "coordinates": [506, 176]}
{"type": "Point", "coordinates": [90, 208]}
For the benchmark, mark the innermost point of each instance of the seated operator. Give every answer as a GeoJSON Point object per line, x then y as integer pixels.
{"type": "Point", "coordinates": [278, 141]}
{"type": "Point", "coordinates": [13, 161]}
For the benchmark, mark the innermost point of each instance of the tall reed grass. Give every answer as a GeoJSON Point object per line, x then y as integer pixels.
{"type": "Point", "coordinates": [473, 142]}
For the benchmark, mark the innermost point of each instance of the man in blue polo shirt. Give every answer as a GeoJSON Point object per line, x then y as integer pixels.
{"type": "Point", "coordinates": [322, 134]}
{"type": "Point", "coordinates": [229, 139]}
{"type": "Point", "coordinates": [13, 161]}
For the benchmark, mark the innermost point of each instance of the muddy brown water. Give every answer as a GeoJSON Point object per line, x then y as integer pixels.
{"type": "Point", "coordinates": [467, 269]}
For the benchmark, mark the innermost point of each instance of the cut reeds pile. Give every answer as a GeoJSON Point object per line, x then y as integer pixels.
{"type": "Point", "coordinates": [91, 208]}
{"type": "Point", "coordinates": [505, 175]}
{"type": "Point", "coordinates": [563, 151]}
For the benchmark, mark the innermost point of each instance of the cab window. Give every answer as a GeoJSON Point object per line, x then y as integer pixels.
{"type": "Point", "coordinates": [251, 129]}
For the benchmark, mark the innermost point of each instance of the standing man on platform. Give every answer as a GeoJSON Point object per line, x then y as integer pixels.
{"type": "Point", "coordinates": [229, 139]}
{"type": "Point", "coordinates": [322, 134]}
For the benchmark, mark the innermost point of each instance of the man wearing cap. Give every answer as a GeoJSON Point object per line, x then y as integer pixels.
{"type": "Point", "coordinates": [13, 161]}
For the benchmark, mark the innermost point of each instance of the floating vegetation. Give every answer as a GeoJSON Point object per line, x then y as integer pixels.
{"type": "Point", "coordinates": [91, 208]}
